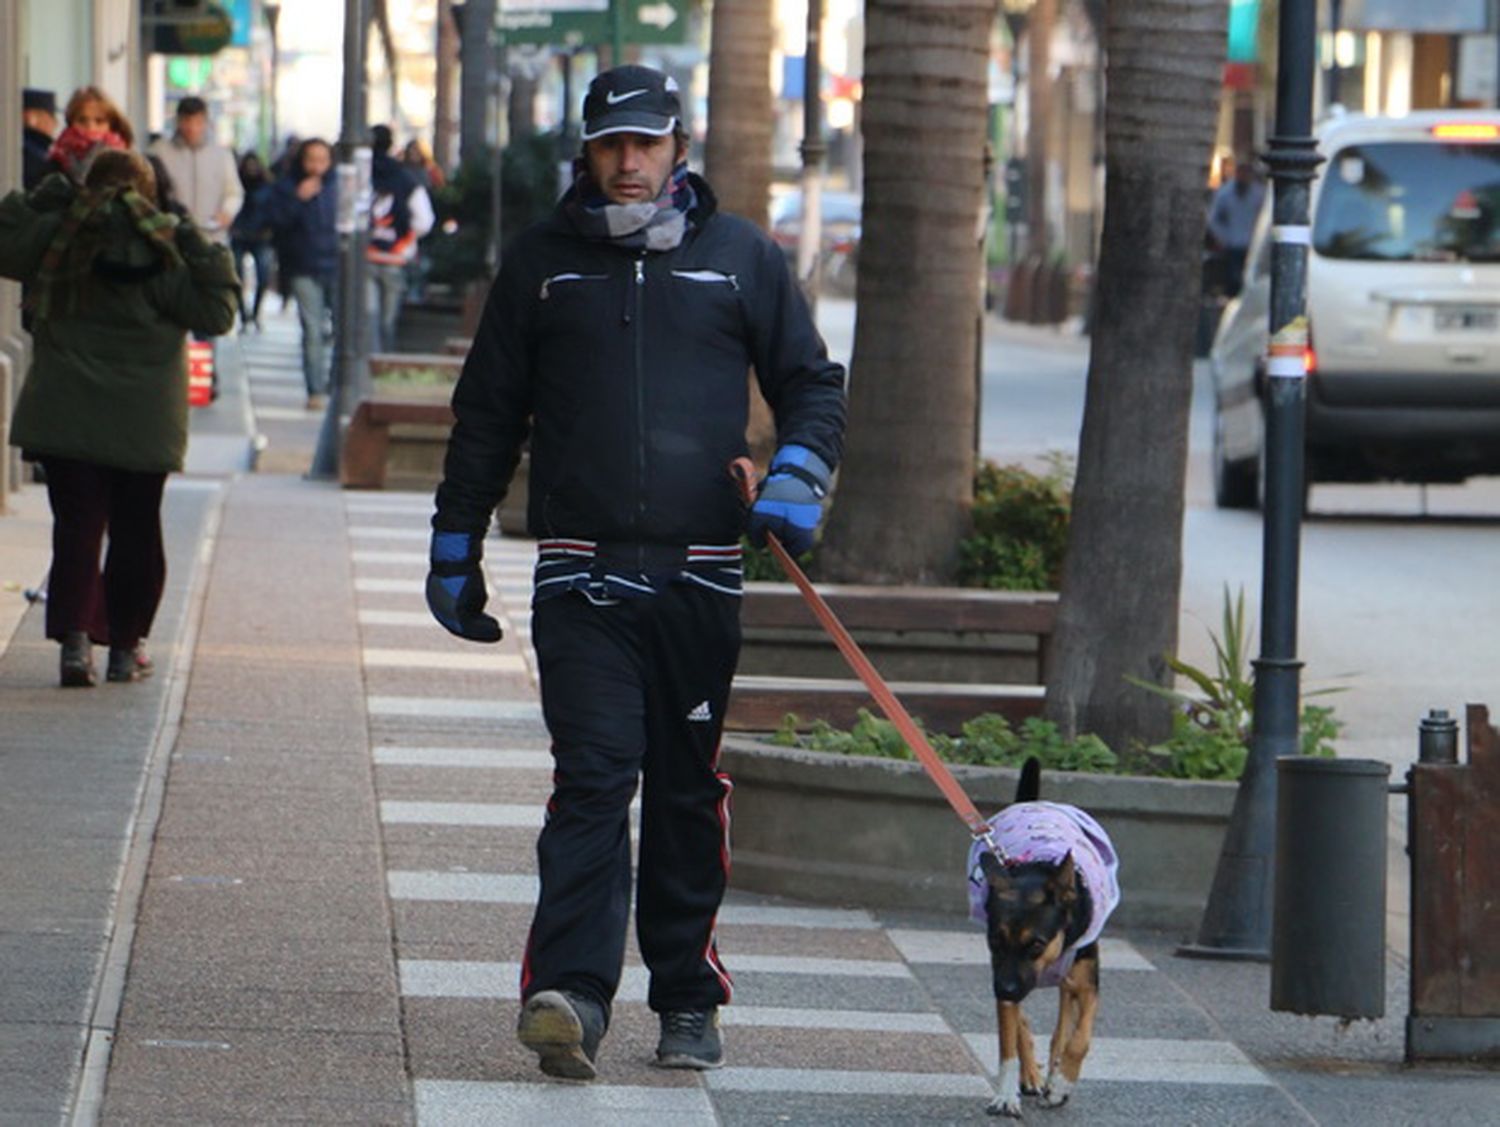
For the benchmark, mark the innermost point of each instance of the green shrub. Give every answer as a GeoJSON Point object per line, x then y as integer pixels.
{"type": "Point", "coordinates": [1020, 528]}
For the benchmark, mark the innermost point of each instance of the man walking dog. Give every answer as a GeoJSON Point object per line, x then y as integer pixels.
{"type": "Point", "coordinates": [618, 335]}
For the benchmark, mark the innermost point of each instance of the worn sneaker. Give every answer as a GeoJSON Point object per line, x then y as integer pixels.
{"type": "Point", "coordinates": [690, 1039]}
{"type": "Point", "coordinates": [128, 665]}
{"type": "Point", "coordinates": [76, 664]}
{"type": "Point", "coordinates": [564, 1030]}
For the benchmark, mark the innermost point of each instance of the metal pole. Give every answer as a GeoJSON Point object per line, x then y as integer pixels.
{"type": "Point", "coordinates": [348, 356]}
{"type": "Point", "coordinates": [616, 32]}
{"type": "Point", "coordinates": [1335, 23]}
{"type": "Point", "coordinates": [810, 238]}
{"type": "Point", "coordinates": [1237, 921]}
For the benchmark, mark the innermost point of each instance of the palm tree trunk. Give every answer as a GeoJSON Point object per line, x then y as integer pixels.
{"type": "Point", "coordinates": [908, 476]}
{"type": "Point", "coordinates": [1122, 576]}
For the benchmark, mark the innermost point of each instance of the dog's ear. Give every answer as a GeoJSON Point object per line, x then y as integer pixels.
{"type": "Point", "coordinates": [1063, 880]}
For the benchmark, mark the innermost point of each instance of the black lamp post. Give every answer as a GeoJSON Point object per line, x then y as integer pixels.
{"type": "Point", "coordinates": [1237, 921]}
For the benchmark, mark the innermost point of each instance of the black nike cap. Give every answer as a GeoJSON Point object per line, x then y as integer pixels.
{"type": "Point", "coordinates": [631, 99]}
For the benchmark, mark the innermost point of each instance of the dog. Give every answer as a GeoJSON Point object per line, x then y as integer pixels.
{"type": "Point", "coordinates": [1043, 901]}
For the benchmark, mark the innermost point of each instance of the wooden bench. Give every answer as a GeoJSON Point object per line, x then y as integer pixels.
{"type": "Point", "coordinates": [950, 654]}
{"type": "Point", "coordinates": [366, 447]}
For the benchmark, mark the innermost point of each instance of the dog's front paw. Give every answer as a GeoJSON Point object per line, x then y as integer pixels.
{"type": "Point", "coordinates": [1008, 1106]}
{"type": "Point", "coordinates": [1057, 1091]}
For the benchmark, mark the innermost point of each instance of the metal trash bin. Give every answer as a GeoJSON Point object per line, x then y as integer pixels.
{"type": "Point", "coordinates": [1328, 923]}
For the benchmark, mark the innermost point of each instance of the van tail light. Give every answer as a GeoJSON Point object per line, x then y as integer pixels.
{"type": "Point", "coordinates": [1310, 354]}
{"type": "Point", "coordinates": [1466, 131]}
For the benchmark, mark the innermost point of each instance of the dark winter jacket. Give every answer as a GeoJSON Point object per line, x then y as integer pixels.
{"type": "Point", "coordinates": [629, 370]}
{"type": "Point", "coordinates": [304, 232]}
{"type": "Point", "coordinates": [108, 378]}
{"type": "Point", "coordinates": [35, 146]}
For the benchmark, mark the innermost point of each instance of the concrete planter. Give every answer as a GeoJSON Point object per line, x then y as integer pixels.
{"type": "Point", "coordinates": [877, 833]}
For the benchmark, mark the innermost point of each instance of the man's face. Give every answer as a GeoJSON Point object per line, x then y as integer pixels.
{"type": "Point", "coordinates": [631, 167]}
{"type": "Point", "coordinates": [317, 160]}
{"type": "Point", "coordinates": [193, 128]}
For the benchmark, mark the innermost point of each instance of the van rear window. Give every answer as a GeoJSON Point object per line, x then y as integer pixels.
{"type": "Point", "coordinates": [1411, 201]}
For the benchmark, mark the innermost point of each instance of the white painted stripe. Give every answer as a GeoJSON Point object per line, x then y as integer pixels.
{"type": "Point", "coordinates": [503, 759]}
{"type": "Point", "coordinates": [1287, 367]}
{"type": "Point", "coordinates": [830, 919]}
{"type": "Point", "coordinates": [410, 586]}
{"type": "Point", "coordinates": [282, 414]}
{"type": "Point", "coordinates": [444, 659]}
{"type": "Point", "coordinates": [468, 1103]}
{"type": "Point", "coordinates": [1147, 1060]}
{"type": "Point", "coordinates": [830, 968]}
{"type": "Point", "coordinates": [861, 1021]}
{"type": "Point", "coordinates": [397, 617]}
{"type": "Point", "coordinates": [464, 888]}
{"type": "Point", "coordinates": [824, 1082]}
{"type": "Point", "coordinates": [968, 948]}
{"type": "Point", "coordinates": [391, 532]}
{"type": "Point", "coordinates": [1296, 233]}
{"type": "Point", "coordinates": [394, 812]}
{"type": "Point", "coordinates": [452, 708]}
{"type": "Point", "coordinates": [371, 556]}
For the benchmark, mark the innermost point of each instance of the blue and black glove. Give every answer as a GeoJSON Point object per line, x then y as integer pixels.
{"type": "Point", "coordinates": [791, 500]}
{"type": "Point", "coordinates": [455, 587]}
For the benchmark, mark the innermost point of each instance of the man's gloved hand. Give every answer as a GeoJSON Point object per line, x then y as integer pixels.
{"type": "Point", "coordinates": [455, 587]}
{"type": "Point", "coordinates": [791, 500]}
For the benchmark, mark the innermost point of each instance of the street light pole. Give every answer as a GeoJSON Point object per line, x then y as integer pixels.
{"type": "Point", "coordinates": [353, 215]}
{"type": "Point", "coordinates": [810, 237]}
{"type": "Point", "coordinates": [1237, 921]}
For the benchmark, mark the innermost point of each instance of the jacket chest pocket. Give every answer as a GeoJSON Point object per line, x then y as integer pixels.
{"type": "Point", "coordinates": [563, 287]}
{"type": "Point", "coordinates": [709, 303]}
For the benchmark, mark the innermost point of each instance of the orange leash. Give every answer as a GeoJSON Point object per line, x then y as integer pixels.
{"type": "Point", "coordinates": [743, 470]}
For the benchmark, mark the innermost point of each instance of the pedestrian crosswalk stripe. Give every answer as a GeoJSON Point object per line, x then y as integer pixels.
{"type": "Point", "coordinates": [444, 659]}
{"type": "Point", "coordinates": [464, 1103]}
{"type": "Point", "coordinates": [368, 617]}
{"type": "Point", "coordinates": [838, 968]}
{"type": "Point", "coordinates": [504, 759]}
{"type": "Point", "coordinates": [1147, 1060]}
{"type": "Point", "coordinates": [454, 708]}
{"type": "Point", "coordinates": [393, 812]}
{"type": "Point", "coordinates": [370, 585]}
{"type": "Point", "coordinates": [829, 1082]}
{"type": "Point", "coordinates": [375, 556]}
{"type": "Point", "coordinates": [858, 1021]}
{"type": "Point", "coordinates": [967, 948]}
{"type": "Point", "coordinates": [828, 919]}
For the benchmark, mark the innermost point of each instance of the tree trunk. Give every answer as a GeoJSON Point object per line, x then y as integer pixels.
{"type": "Point", "coordinates": [737, 152]}
{"type": "Point", "coordinates": [444, 124]}
{"type": "Point", "coordinates": [1122, 575]}
{"type": "Point", "coordinates": [907, 481]}
{"type": "Point", "coordinates": [1038, 125]}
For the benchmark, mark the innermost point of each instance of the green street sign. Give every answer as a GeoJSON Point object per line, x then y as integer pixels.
{"type": "Point", "coordinates": [577, 23]}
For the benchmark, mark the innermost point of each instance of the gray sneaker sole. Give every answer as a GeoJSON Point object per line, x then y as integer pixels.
{"type": "Point", "coordinates": [686, 1060]}
{"type": "Point", "coordinates": [550, 1028]}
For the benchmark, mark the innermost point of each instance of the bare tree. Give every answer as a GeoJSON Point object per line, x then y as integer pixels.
{"type": "Point", "coordinates": [1122, 576]}
{"type": "Point", "coordinates": [908, 477]}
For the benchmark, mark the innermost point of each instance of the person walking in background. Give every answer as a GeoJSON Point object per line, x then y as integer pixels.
{"type": "Point", "coordinates": [419, 163]}
{"type": "Point", "coordinates": [115, 285]}
{"type": "Point", "coordinates": [618, 334]}
{"type": "Point", "coordinates": [302, 212]}
{"type": "Point", "coordinates": [1231, 222]}
{"type": "Point", "coordinates": [250, 235]}
{"type": "Point", "coordinates": [93, 124]}
{"type": "Point", "coordinates": [38, 124]}
{"type": "Point", "coordinates": [203, 170]}
{"type": "Point", "coordinates": [400, 214]}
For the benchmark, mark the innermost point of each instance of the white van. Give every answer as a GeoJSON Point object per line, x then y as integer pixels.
{"type": "Point", "coordinates": [1403, 301]}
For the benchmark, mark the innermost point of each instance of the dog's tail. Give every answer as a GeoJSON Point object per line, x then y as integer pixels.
{"type": "Point", "coordinates": [1029, 789]}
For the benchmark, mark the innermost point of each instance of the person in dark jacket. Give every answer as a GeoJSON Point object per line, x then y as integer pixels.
{"type": "Point", "coordinates": [618, 335]}
{"type": "Point", "coordinates": [115, 284]}
{"type": "Point", "coordinates": [400, 214]}
{"type": "Point", "coordinates": [38, 124]}
{"type": "Point", "coordinates": [250, 235]}
{"type": "Point", "coordinates": [302, 212]}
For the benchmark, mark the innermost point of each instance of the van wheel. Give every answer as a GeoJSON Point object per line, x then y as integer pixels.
{"type": "Point", "coordinates": [1236, 484]}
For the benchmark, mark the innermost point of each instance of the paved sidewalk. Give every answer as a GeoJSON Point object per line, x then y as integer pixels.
{"type": "Point", "coordinates": [288, 880]}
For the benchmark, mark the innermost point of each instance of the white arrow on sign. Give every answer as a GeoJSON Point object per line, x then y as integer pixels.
{"type": "Point", "coordinates": [659, 16]}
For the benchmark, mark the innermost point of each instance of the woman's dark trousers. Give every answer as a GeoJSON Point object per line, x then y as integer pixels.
{"type": "Point", "coordinates": [116, 606]}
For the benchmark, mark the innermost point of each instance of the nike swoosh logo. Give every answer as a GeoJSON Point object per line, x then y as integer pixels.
{"type": "Point", "coordinates": [615, 99]}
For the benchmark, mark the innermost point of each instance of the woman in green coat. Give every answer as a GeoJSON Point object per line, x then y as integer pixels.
{"type": "Point", "coordinates": [114, 285]}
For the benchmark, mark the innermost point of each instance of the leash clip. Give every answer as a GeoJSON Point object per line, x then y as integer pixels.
{"type": "Point", "coordinates": [987, 836]}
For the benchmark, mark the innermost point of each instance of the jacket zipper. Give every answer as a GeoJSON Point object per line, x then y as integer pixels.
{"type": "Point", "coordinates": [547, 283]}
{"type": "Point", "coordinates": [640, 406]}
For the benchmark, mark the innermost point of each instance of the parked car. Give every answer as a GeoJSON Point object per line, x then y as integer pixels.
{"type": "Point", "coordinates": [840, 233]}
{"type": "Point", "coordinates": [1403, 302]}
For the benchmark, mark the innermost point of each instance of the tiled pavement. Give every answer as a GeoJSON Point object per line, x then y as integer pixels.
{"type": "Point", "coordinates": [330, 874]}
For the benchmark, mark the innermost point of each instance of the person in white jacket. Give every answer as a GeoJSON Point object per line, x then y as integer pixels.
{"type": "Point", "coordinates": [400, 214]}
{"type": "Point", "coordinates": [203, 172]}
